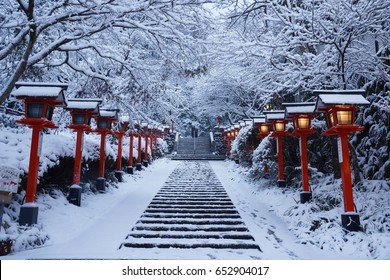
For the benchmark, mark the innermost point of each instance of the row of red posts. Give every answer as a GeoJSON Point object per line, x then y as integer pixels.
{"type": "Point", "coordinates": [339, 108]}
{"type": "Point", "coordinates": [41, 99]}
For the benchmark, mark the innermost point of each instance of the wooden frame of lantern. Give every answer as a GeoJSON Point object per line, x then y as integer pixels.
{"type": "Point", "coordinates": [40, 99]}
{"type": "Point", "coordinates": [301, 114]}
{"type": "Point", "coordinates": [81, 110]}
{"type": "Point", "coordinates": [104, 124]}
{"type": "Point", "coordinates": [339, 107]}
{"type": "Point", "coordinates": [277, 120]}
{"type": "Point", "coordinates": [122, 127]}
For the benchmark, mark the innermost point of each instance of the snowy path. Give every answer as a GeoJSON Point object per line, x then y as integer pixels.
{"type": "Point", "coordinates": [115, 225]}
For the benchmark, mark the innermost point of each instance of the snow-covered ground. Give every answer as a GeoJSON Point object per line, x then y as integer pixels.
{"type": "Point", "coordinates": [97, 228]}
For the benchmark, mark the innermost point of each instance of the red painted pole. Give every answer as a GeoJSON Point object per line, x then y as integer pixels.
{"type": "Point", "coordinates": [280, 158]}
{"type": "Point", "coordinates": [155, 146]}
{"type": "Point", "coordinates": [146, 149]}
{"type": "Point", "coordinates": [33, 165]}
{"type": "Point", "coordinates": [304, 165]}
{"type": "Point", "coordinates": [131, 150]}
{"type": "Point", "coordinates": [151, 144]}
{"type": "Point", "coordinates": [228, 148]}
{"type": "Point", "coordinates": [119, 159]}
{"type": "Point", "coordinates": [139, 150]}
{"type": "Point", "coordinates": [78, 157]}
{"type": "Point", "coordinates": [102, 154]}
{"type": "Point", "coordinates": [346, 173]}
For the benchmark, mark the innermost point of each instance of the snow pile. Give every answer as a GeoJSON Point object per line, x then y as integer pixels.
{"type": "Point", "coordinates": [22, 237]}
{"type": "Point", "coordinates": [319, 223]}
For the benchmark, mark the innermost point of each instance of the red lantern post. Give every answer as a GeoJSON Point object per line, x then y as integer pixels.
{"type": "Point", "coordinates": [81, 110]}
{"type": "Point", "coordinates": [301, 114]}
{"type": "Point", "coordinates": [277, 119]}
{"type": "Point", "coordinates": [104, 123]}
{"type": "Point", "coordinates": [152, 136]}
{"type": "Point", "coordinates": [339, 107]}
{"type": "Point", "coordinates": [229, 135]}
{"type": "Point", "coordinates": [144, 126]}
{"type": "Point", "coordinates": [40, 100]}
{"type": "Point", "coordinates": [132, 133]}
{"type": "Point", "coordinates": [122, 127]}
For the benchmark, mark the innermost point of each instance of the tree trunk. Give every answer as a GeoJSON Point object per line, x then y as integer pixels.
{"type": "Point", "coordinates": [24, 61]}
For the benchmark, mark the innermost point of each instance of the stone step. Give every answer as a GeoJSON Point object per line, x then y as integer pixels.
{"type": "Point", "coordinates": [193, 216]}
{"type": "Point", "coordinates": [192, 211]}
{"type": "Point", "coordinates": [189, 222]}
{"type": "Point", "coordinates": [187, 203]}
{"type": "Point", "coordinates": [204, 207]}
{"type": "Point", "coordinates": [197, 228]}
{"type": "Point", "coordinates": [191, 236]}
{"type": "Point", "coordinates": [205, 198]}
{"type": "Point", "coordinates": [191, 245]}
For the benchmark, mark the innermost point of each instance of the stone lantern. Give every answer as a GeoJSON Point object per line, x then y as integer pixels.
{"type": "Point", "coordinates": [40, 99]}
{"type": "Point", "coordinates": [277, 120]}
{"type": "Point", "coordinates": [339, 107]}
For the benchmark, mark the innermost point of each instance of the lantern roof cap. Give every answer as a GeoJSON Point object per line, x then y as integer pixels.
{"type": "Point", "coordinates": [299, 108]}
{"type": "Point", "coordinates": [41, 90]}
{"type": "Point", "coordinates": [108, 113]}
{"type": "Point", "coordinates": [83, 104]}
{"type": "Point", "coordinates": [274, 115]}
{"type": "Point", "coordinates": [259, 119]}
{"type": "Point", "coordinates": [339, 97]}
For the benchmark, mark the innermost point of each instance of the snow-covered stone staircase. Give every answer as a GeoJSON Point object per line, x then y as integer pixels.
{"type": "Point", "coordinates": [195, 149]}
{"type": "Point", "coordinates": [192, 210]}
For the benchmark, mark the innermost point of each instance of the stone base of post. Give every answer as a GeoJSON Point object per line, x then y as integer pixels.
{"type": "Point", "coordinates": [130, 170]}
{"type": "Point", "coordinates": [145, 163]}
{"type": "Point", "coordinates": [138, 167]}
{"type": "Point", "coordinates": [281, 183]}
{"type": "Point", "coordinates": [351, 221]}
{"type": "Point", "coordinates": [28, 215]}
{"type": "Point", "coordinates": [101, 184]}
{"type": "Point", "coordinates": [74, 196]}
{"type": "Point", "coordinates": [119, 176]}
{"type": "Point", "coordinates": [306, 197]}
{"type": "Point", "coordinates": [236, 160]}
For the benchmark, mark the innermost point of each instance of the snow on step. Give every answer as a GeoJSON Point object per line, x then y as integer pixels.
{"type": "Point", "coordinates": [192, 210]}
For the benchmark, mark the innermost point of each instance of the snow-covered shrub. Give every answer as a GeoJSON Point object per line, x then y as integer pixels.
{"type": "Point", "coordinates": [170, 140]}
{"type": "Point", "coordinates": [373, 143]}
{"type": "Point", "coordinates": [22, 237]}
{"type": "Point", "coordinates": [242, 145]}
{"type": "Point", "coordinates": [319, 222]}
{"type": "Point", "coordinates": [220, 149]}
{"type": "Point", "coordinates": [162, 147]}
{"type": "Point", "coordinates": [263, 161]}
